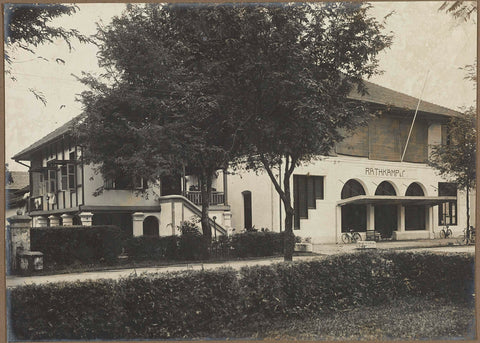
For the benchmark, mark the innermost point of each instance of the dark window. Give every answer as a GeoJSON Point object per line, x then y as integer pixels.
{"type": "Point", "coordinates": [124, 183]}
{"type": "Point", "coordinates": [385, 188]}
{"type": "Point", "coordinates": [52, 181]}
{"type": "Point", "coordinates": [306, 190]}
{"type": "Point", "coordinates": [447, 212]}
{"type": "Point", "coordinates": [247, 209]}
{"type": "Point", "coordinates": [352, 188]}
{"type": "Point", "coordinates": [414, 190]}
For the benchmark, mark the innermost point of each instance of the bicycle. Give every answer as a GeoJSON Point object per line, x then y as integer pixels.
{"type": "Point", "coordinates": [467, 237]}
{"type": "Point", "coordinates": [351, 237]}
{"type": "Point", "coordinates": [446, 232]}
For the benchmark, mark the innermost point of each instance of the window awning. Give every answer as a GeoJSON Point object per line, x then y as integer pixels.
{"type": "Point", "coordinates": [395, 200]}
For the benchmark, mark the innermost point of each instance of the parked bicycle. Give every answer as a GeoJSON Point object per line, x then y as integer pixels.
{"type": "Point", "coordinates": [468, 236]}
{"type": "Point", "coordinates": [351, 237]}
{"type": "Point", "coordinates": [445, 232]}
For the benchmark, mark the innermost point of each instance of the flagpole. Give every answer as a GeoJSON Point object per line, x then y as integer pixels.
{"type": "Point", "coordinates": [414, 117]}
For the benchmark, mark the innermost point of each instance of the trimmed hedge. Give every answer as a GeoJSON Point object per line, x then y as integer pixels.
{"type": "Point", "coordinates": [257, 244]}
{"type": "Point", "coordinates": [64, 246]}
{"type": "Point", "coordinates": [152, 248]}
{"type": "Point", "coordinates": [196, 304]}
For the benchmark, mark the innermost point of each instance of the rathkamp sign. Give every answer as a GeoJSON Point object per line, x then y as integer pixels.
{"type": "Point", "coordinates": [385, 172]}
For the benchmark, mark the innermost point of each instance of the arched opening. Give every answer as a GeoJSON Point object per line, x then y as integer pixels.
{"type": "Point", "coordinates": [415, 214]}
{"type": "Point", "coordinates": [354, 217]}
{"type": "Point", "coordinates": [150, 226]}
{"type": "Point", "coordinates": [385, 215]}
{"type": "Point", "coordinates": [247, 209]}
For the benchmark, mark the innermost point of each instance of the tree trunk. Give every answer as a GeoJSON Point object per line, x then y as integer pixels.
{"type": "Point", "coordinates": [206, 190]}
{"type": "Point", "coordinates": [289, 238]}
{"type": "Point", "coordinates": [468, 209]}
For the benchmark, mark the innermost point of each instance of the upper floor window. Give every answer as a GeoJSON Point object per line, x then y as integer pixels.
{"type": "Point", "coordinates": [68, 181]}
{"type": "Point", "coordinates": [125, 183]}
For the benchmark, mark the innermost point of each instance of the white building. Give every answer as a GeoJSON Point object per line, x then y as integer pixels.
{"type": "Point", "coordinates": [362, 185]}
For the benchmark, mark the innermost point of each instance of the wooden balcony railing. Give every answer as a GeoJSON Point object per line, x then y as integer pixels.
{"type": "Point", "coordinates": [216, 198]}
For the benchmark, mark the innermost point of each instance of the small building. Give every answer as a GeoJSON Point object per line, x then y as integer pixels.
{"type": "Point", "coordinates": [362, 184]}
{"type": "Point", "coordinates": [16, 192]}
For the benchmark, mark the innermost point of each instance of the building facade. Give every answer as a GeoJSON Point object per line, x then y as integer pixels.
{"type": "Point", "coordinates": [372, 180]}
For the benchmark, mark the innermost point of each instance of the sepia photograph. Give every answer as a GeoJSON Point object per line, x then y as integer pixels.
{"type": "Point", "coordinates": [254, 171]}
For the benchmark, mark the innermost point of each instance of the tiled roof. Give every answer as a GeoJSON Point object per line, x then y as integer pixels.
{"type": "Point", "coordinates": [376, 94]}
{"type": "Point", "coordinates": [24, 154]}
{"type": "Point", "coordinates": [385, 96]}
{"type": "Point", "coordinates": [20, 180]}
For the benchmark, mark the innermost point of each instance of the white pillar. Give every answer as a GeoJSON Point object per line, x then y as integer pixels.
{"type": "Point", "coordinates": [400, 218]}
{"type": "Point", "coordinates": [41, 222]}
{"type": "Point", "coordinates": [86, 218]}
{"type": "Point", "coordinates": [370, 217]}
{"type": "Point", "coordinates": [227, 221]}
{"type": "Point", "coordinates": [429, 221]}
{"type": "Point", "coordinates": [54, 220]}
{"type": "Point", "coordinates": [137, 218]}
{"type": "Point", "coordinates": [338, 223]}
{"type": "Point", "coordinates": [67, 219]}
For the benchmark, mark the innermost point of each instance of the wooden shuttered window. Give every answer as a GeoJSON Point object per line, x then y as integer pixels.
{"type": "Point", "coordinates": [354, 144]}
{"type": "Point", "coordinates": [388, 137]}
{"type": "Point", "coordinates": [306, 190]}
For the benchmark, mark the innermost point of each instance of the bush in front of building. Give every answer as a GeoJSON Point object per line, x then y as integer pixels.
{"type": "Point", "coordinates": [69, 245]}
{"type": "Point", "coordinates": [152, 248]}
{"type": "Point", "coordinates": [250, 244]}
{"type": "Point", "coordinates": [196, 303]}
{"type": "Point", "coordinates": [147, 306]}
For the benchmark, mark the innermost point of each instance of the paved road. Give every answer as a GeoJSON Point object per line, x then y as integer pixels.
{"type": "Point", "coordinates": [440, 246]}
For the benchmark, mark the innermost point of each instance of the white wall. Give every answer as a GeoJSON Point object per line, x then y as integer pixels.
{"type": "Point", "coordinates": [323, 224]}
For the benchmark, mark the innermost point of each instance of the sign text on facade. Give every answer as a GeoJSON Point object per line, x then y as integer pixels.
{"type": "Point", "coordinates": [384, 172]}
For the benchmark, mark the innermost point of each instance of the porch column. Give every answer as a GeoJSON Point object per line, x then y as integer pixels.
{"type": "Point", "coordinates": [400, 218]}
{"type": "Point", "coordinates": [41, 222]}
{"type": "Point", "coordinates": [225, 188]}
{"type": "Point", "coordinates": [370, 217]}
{"type": "Point", "coordinates": [86, 218]}
{"type": "Point", "coordinates": [67, 219]}
{"type": "Point", "coordinates": [227, 221]}
{"type": "Point", "coordinates": [338, 223]}
{"type": "Point", "coordinates": [137, 219]}
{"type": "Point", "coordinates": [429, 221]}
{"type": "Point", "coordinates": [54, 220]}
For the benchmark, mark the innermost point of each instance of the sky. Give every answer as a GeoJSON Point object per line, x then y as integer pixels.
{"type": "Point", "coordinates": [425, 41]}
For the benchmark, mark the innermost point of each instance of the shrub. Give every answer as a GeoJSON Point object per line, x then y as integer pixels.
{"type": "Point", "coordinates": [64, 246]}
{"type": "Point", "coordinates": [152, 248]}
{"type": "Point", "coordinates": [153, 306]}
{"type": "Point", "coordinates": [196, 304]}
{"type": "Point", "coordinates": [257, 244]}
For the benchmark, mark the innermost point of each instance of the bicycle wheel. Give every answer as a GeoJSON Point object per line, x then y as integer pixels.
{"type": "Point", "coordinates": [345, 238]}
{"type": "Point", "coordinates": [442, 233]}
{"type": "Point", "coordinates": [356, 237]}
{"type": "Point", "coordinates": [448, 233]}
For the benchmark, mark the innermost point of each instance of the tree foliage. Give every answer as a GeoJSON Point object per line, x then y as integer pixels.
{"type": "Point", "coordinates": [29, 25]}
{"type": "Point", "coordinates": [460, 9]}
{"type": "Point", "coordinates": [209, 84]}
{"type": "Point", "coordinates": [456, 161]}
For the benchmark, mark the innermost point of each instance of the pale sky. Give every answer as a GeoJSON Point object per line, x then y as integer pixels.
{"type": "Point", "coordinates": [424, 40]}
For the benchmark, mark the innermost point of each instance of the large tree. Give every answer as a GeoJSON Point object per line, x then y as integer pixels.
{"type": "Point", "coordinates": [159, 108]}
{"type": "Point", "coordinates": [456, 160]}
{"type": "Point", "coordinates": [301, 63]}
{"type": "Point", "coordinates": [264, 82]}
